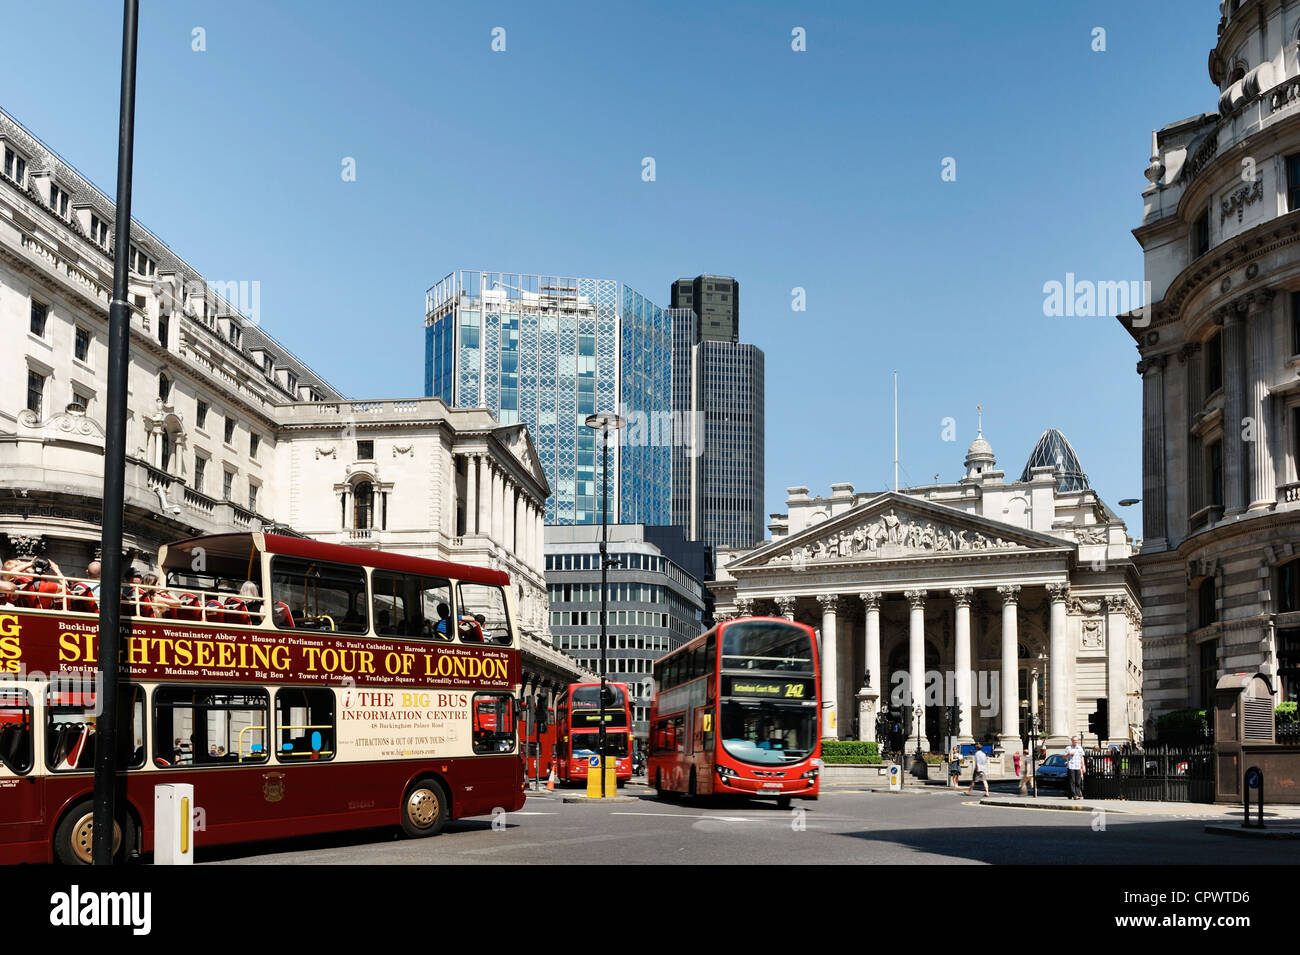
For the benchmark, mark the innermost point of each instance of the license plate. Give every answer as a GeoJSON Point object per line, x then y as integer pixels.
{"type": "Point", "coordinates": [772, 786]}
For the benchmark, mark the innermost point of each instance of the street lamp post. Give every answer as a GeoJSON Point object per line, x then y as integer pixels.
{"type": "Point", "coordinates": [604, 423]}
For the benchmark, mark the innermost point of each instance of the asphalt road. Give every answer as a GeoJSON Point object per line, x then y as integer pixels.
{"type": "Point", "coordinates": [843, 827]}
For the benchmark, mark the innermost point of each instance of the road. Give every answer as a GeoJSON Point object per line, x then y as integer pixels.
{"type": "Point", "coordinates": [843, 827]}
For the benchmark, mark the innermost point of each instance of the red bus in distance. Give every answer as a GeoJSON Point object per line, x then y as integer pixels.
{"type": "Point", "coordinates": [577, 731]}
{"type": "Point", "coordinates": [736, 712]}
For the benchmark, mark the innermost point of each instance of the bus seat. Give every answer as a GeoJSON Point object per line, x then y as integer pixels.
{"type": "Point", "coordinates": [189, 608]}
{"type": "Point", "coordinates": [236, 611]}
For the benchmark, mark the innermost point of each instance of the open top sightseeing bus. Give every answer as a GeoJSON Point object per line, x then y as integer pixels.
{"type": "Point", "coordinates": [736, 711]}
{"type": "Point", "coordinates": [577, 730]}
{"type": "Point", "coordinates": [301, 687]}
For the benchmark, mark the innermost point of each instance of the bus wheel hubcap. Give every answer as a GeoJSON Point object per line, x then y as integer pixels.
{"type": "Point", "coordinates": [422, 808]}
{"type": "Point", "coordinates": [83, 838]}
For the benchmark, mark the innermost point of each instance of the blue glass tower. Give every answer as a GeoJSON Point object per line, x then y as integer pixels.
{"type": "Point", "coordinates": [547, 351]}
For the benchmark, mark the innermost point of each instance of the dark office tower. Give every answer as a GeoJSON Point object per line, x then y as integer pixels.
{"type": "Point", "coordinates": [715, 299]}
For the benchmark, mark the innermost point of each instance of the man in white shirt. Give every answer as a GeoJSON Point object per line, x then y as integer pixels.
{"type": "Point", "coordinates": [981, 770]}
{"type": "Point", "coordinates": [1074, 763]}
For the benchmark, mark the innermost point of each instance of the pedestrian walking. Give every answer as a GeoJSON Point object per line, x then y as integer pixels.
{"type": "Point", "coordinates": [1074, 764]}
{"type": "Point", "coordinates": [1027, 780]}
{"type": "Point", "coordinates": [954, 767]}
{"type": "Point", "coordinates": [981, 770]}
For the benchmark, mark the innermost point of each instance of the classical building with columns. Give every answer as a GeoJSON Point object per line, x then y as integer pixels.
{"type": "Point", "coordinates": [1219, 348]}
{"type": "Point", "coordinates": [1007, 599]}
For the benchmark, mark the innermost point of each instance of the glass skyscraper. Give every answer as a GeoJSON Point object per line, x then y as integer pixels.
{"type": "Point", "coordinates": [547, 351]}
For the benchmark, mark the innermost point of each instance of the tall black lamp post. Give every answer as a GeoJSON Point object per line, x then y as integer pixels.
{"type": "Point", "coordinates": [604, 423]}
{"type": "Point", "coordinates": [119, 360]}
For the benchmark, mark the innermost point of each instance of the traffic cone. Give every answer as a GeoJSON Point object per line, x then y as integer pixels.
{"type": "Point", "coordinates": [550, 781]}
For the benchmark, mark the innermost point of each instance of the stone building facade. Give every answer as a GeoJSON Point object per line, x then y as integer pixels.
{"type": "Point", "coordinates": [1219, 347]}
{"type": "Point", "coordinates": [1007, 599]}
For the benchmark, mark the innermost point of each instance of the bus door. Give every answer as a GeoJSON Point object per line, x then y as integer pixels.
{"type": "Point", "coordinates": [21, 803]}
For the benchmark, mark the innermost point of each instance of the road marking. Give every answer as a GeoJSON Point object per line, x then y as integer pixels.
{"type": "Point", "coordinates": [686, 815]}
{"type": "Point", "coordinates": [526, 812]}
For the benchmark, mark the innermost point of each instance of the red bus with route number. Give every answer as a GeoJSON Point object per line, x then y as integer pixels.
{"type": "Point", "coordinates": [301, 687]}
{"type": "Point", "coordinates": [577, 731]}
{"type": "Point", "coordinates": [736, 711]}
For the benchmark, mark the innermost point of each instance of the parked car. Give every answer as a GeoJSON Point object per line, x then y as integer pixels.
{"type": "Point", "coordinates": [1053, 772]}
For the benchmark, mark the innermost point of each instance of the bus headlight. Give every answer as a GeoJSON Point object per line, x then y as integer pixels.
{"type": "Point", "coordinates": [726, 772]}
{"type": "Point", "coordinates": [811, 774]}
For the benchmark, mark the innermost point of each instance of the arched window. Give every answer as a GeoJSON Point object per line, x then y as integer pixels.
{"type": "Point", "coordinates": [363, 506]}
{"type": "Point", "coordinates": [1206, 612]}
{"type": "Point", "coordinates": [168, 446]}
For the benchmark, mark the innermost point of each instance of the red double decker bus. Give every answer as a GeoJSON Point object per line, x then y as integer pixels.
{"type": "Point", "coordinates": [736, 711]}
{"type": "Point", "coordinates": [301, 687]}
{"type": "Point", "coordinates": [577, 730]}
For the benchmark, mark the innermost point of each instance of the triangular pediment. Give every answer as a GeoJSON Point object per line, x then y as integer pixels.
{"type": "Point", "coordinates": [893, 526]}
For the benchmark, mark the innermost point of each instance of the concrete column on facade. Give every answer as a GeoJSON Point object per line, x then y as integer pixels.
{"type": "Point", "coordinates": [916, 667]}
{"type": "Point", "coordinates": [961, 599]}
{"type": "Point", "coordinates": [508, 517]}
{"type": "Point", "coordinates": [1009, 738]}
{"type": "Point", "coordinates": [872, 689]}
{"type": "Point", "coordinates": [1117, 606]}
{"type": "Point", "coordinates": [744, 607]}
{"type": "Point", "coordinates": [1058, 711]}
{"type": "Point", "coordinates": [1234, 409]}
{"type": "Point", "coordinates": [498, 504]}
{"type": "Point", "coordinates": [484, 495]}
{"type": "Point", "coordinates": [449, 525]}
{"type": "Point", "coordinates": [1154, 517]}
{"type": "Point", "coordinates": [830, 665]}
{"type": "Point", "coordinates": [1263, 481]}
{"type": "Point", "coordinates": [471, 494]}
{"type": "Point", "coordinates": [539, 522]}
{"type": "Point", "coordinates": [785, 606]}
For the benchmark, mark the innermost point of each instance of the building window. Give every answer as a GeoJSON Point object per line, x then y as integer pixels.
{"type": "Point", "coordinates": [80, 400]}
{"type": "Point", "coordinates": [363, 506]}
{"type": "Point", "coordinates": [291, 382]}
{"type": "Point", "coordinates": [99, 231]}
{"type": "Point", "coordinates": [268, 363]}
{"type": "Point", "coordinates": [164, 388]}
{"type": "Point", "coordinates": [1295, 323]}
{"type": "Point", "coordinates": [254, 442]}
{"type": "Point", "coordinates": [1209, 670]}
{"type": "Point", "coordinates": [1201, 234]}
{"type": "Point", "coordinates": [230, 430]}
{"type": "Point", "coordinates": [227, 485]}
{"type": "Point", "coordinates": [168, 445]}
{"type": "Point", "coordinates": [58, 201]}
{"type": "Point", "coordinates": [1288, 587]}
{"type": "Point", "coordinates": [1288, 663]}
{"type": "Point", "coordinates": [1206, 613]}
{"type": "Point", "coordinates": [201, 417]}
{"type": "Point", "coordinates": [200, 465]}
{"type": "Point", "coordinates": [365, 450]}
{"type": "Point", "coordinates": [140, 263]}
{"type": "Point", "coordinates": [252, 497]}
{"type": "Point", "coordinates": [40, 312]}
{"type": "Point", "coordinates": [15, 167]}
{"type": "Point", "coordinates": [81, 344]}
{"type": "Point", "coordinates": [1216, 473]}
{"type": "Point", "coordinates": [35, 392]}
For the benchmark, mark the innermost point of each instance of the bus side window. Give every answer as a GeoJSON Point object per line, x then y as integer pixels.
{"type": "Point", "coordinates": [304, 723]}
{"type": "Point", "coordinates": [16, 736]}
{"type": "Point", "coordinates": [494, 722]}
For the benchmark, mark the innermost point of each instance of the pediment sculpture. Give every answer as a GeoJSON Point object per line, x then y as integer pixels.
{"type": "Point", "coordinates": [890, 535]}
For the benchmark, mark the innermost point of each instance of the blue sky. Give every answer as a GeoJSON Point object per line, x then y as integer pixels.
{"type": "Point", "coordinates": [817, 169]}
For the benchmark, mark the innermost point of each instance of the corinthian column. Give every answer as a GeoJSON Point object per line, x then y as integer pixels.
{"type": "Point", "coordinates": [1058, 713]}
{"type": "Point", "coordinates": [471, 494]}
{"type": "Point", "coordinates": [1234, 410]}
{"type": "Point", "coordinates": [786, 607]}
{"type": "Point", "coordinates": [830, 665]}
{"type": "Point", "coordinates": [1263, 482]}
{"type": "Point", "coordinates": [916, 664]}
{"type": "Point", "coordinates": [961, 598]}
{"type": "Point", "coordinates": [1010, 736]}
{"type": "Point", "coordinates": [869, 696]}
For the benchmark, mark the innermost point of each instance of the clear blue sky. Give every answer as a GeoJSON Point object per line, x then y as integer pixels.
{"type": "Point", "coordinates": [818, 169]}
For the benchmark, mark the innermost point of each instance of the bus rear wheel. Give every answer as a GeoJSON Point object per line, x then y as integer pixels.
{"type": "Point", "coordinates": [74, 838]}
{"type": "Point", "coordinates": [424, 809]}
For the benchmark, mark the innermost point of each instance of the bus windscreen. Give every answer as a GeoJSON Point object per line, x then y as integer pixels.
{"type": "Point", "coordinates": [766, 645]}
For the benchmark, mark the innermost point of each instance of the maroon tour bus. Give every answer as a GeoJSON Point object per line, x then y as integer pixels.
{"type": "Point", "coordinates": [301, 687]}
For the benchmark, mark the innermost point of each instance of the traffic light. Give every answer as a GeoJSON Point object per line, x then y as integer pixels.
{"type": "Point", "coordinates": [1098, 721]}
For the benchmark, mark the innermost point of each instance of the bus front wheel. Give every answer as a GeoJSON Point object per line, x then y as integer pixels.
{"type": "Point", "coordinates": [74, 838]}
{"type": "Point", "coordinates": [424, 809]}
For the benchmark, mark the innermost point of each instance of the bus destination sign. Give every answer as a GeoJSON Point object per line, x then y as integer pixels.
{"type": "Point", "coordinates": [768, 688]}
